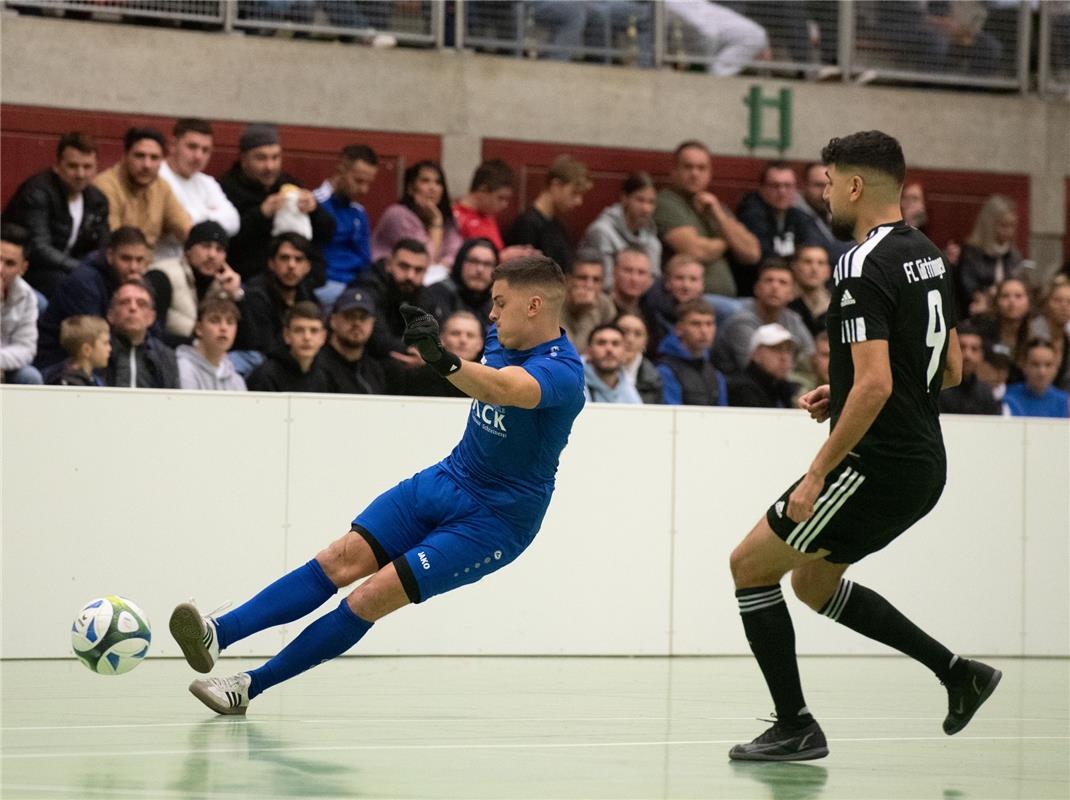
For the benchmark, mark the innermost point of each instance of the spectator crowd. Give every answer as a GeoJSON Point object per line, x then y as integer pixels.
{"type": "Point", "coordinates": [153, 274]}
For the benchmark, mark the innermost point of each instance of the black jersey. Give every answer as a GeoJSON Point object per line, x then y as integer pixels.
{"type": "Point", "coordinates": [895, 286]}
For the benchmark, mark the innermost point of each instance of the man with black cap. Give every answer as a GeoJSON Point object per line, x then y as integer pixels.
{"type": "Point", "coordinates": [345, 359]}
{"type": "Point", "coordinates": [202, 271]}
{"type": "Point", "coordinates": [255, 186]}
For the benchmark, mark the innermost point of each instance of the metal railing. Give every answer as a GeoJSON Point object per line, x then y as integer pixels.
{"type": "Point", "coordinates": [974, 43]}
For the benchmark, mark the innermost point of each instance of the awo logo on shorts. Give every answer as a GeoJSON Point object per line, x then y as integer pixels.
{"type": "Point", "coordinates": [490, 418]}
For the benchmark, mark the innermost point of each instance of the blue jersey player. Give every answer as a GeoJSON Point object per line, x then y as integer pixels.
{"type": "Point", "coordinates": [450, 525]}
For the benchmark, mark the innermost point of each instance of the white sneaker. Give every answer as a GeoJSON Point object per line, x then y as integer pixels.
{"type": "Point", "coordinates": [196, 635]}
{"type": "Point", "coordinates": [223, 695]}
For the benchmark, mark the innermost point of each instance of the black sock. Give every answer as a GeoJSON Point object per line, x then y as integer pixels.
{"type": "Point", "coordinates": [866, 612]}
{"type": "Point", "coordinates": [772, 640]}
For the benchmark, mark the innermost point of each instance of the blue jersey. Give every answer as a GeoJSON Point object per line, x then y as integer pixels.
{"type": "Point", "coordinates": [508, 456]}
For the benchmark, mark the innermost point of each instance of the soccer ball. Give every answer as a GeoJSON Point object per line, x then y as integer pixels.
{"type": "Point", "coordinates": [111, 635]}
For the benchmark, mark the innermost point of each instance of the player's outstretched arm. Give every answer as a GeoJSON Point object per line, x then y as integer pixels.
{"type": "Point", "coordinates": [510, 386]}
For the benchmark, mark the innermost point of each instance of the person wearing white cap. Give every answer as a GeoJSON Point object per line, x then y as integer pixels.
{"type": "Point", "coordinates": [764, 383]}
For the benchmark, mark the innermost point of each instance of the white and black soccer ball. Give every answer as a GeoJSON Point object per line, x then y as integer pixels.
{"type": "Point", "coordinates": [111, 635]}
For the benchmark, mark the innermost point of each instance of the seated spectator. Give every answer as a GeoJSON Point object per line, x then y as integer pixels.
{"type": "Point", "coordinates": [462, 335]}
{"type": "Point", "coordinates": [295, 366]}
{"type": "Point", "coordinates": [811, 268]}
{"type": "Point", "coordinates": [971, 396]}
{"type": "Point", "coordinates": [912, 205]}
{"type": "Point", "coordinates": [138, 359]}
{"type": "Point", "coordinates": [423, 214]}
{"type": "Point", "coordinates": [181, 284]}
{"type": "Point", "coordinates": [473, 269]}
{"type": "Point", "coordinates": [811, 201]}
{"type": "Point", "coordinates": [820, 358]}
{"type": "Point", "coordinates": [345, 359]}
{"type": "Point", "coordinates": [1053, 324]}
{"type": "Point", "coordinates": [18, 310]}
{"type": "Point", "coordinates": [189, 151]}
{"type": "Point", "coordinates": [137, 196]}
{"type": "Point", "coordinates": [1036, 397]}
{"type": "Point", "coordinates": [995, 369]}
{"type": "Point", "coordinates": [349, 251]}
{"type": "Point", "coordinates": [489, 195]}
{"type": "Point", "coordinates": [770, 214]}
{"type": "Point", "coordinates": [692, 221]}
{"type": "Point", "coordinates": [89, 288]}
{"type": "Point", "coordinates": [259, 189]}
{"type": "Point", "coordinates": [764, 383]}
{"type": "Point", "coordinates": [603, 368]}
{"type": "Point", "coordinates": [586, 305]}
{"type": "Point", "coordinates": [627, 224]}
{"type": "Point", "coordinates": [726, 37]}
{"type": "Point", "coordinates": [1008, 325]}
{"type": "Point", "coordinates": [269, 296]}
{"type": "Point", "coordinates": [633, 275]}
{"type": "Point", "coordinates": [66, 216]}
{"type": "Point", "coordinates": [639, 369]}
{"type": "Point", "coordinates": [687, 374]}
{"type": "Point", "coordinates": [540, 224]}
{"type": "Point", "coordinates": [205, 364]}
{"type": "Point", "coordinates": [400, 279]}
{"type": "Point", "coordinates": [87, 341]}
{"type": "Point", "coordinates": [772, 293]}
{"type": "Point", "coordinates": [990, 254]}
{"type": "Point", "coordinates": [681, 283]}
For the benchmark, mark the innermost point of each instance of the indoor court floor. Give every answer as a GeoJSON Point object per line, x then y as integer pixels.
{"type": "Point", "coordinates": [377, 727]}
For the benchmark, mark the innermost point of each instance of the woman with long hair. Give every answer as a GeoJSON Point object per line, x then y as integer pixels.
{"type": "Point", "coordinates": [627, 223]}
{"type": "Point", "coordinates": [423, 213]}
{"type": "Point", "coordinates": [990, 254]}
{"type": "Point", "coordinates": [1053, 324]}
{"type": "Point", "coordinates": [1008, 324]}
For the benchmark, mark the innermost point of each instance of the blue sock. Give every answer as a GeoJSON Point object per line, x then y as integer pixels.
{"type": "Point", "coordinates": [328, 637]}
{"type": "Point", "coordinates": [292, 596]}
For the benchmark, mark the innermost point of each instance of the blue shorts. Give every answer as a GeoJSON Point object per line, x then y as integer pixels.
{"type": "Point", "coordinates": [437, 535]}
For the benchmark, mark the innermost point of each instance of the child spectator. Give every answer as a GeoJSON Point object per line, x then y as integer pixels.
{"type": "Point", "coordinates": [1035, 396]}
{"type": "Point", "coordinates": [477, 212]}
{"type": "Point", "coordinates": [295, 367]}
{"type": "Point", "coordinates": [205, 364]}
{"type": "Point", "coordinates": [87, 342]}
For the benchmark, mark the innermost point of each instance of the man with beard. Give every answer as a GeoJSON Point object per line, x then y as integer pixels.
{"type": "Point", "coordinates": [471, 276]}
{"type": "Point", "coordinates": [603, 368]}
{"type": "Point", "coordinates": [399, 279]}
{"type": "Point", "coordinates": [345, 358]}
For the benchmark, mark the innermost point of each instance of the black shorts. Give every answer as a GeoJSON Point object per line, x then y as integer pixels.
{"type": "Point", "coordinates": [859, 511]}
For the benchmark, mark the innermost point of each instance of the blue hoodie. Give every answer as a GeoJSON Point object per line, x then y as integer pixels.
{"type": "Point", "coordinates": [671, 348]}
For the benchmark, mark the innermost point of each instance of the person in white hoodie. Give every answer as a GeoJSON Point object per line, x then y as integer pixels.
{"type": "Point", "coordinates": [205, 364]}
{"type": "Point", "coordinates": [629, 223]}
{"type": "Point", "coordinates": [18, 310]}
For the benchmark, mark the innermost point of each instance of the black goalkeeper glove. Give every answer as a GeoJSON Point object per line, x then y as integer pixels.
{"type": "Point", "coordinates": [421, 332]}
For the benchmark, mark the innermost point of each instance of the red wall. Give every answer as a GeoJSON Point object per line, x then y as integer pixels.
{"type": "Point", "coordinates": [28, 137]}
{"type": "Point", "coordinates": [953, 198]}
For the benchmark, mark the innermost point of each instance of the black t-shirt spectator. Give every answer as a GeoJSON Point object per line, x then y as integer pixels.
{"type": "Point", "coordinates": [366, 375]}
{"type": "Point", "coordinates": [547, 235]}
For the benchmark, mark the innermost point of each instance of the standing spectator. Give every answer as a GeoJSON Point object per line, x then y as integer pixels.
{"type": "Point", "coordinates": [1036, 397]}
{"type": "Point", "coordinates": [137, 195]}
{"type": "Point", "coordinates": [770, 214]}
{"type": "Point", "coordinates": [423, 214]}
{"type": "Point", "coordinates": [764, 383]}
{"type": "Point", "coordinates": [540, 224]}
{"type": "Point", "coordinates": [693, 222]}
{"type": "Point", "coordinates": [295, 366]}
{"type": "Point", "coordinates": [990, 254]}
{"type": "Point", "coordinates": [462, 335]}
{"type": "Point", "coordinates": [205, 364]}
{"type": "Point", "coordinates": [18, 310]}
{"type": "Point", "coordinates": [472, 273]}
{"type": "Point", "coordinates": [89, 288]}
{"type": "Point", "coordinates": [632, 278]}
{"type": "Point", "coordinates": [971, 396]}
{"type": "Point", "coordinates": [488, 196]}
{"type": "Point", "coordinates": [87, 342]}
{"type": "Point", "coordinates": [810, 266]}
{"type": "Point", "coordinates": [627, 224]}
{"type": "Point", "coordinates": [1009, 324]}
{"type": "Point", "coordinates": [586, 305]}
{"type": "Point", "coordinates": [687, 374]}
{"type": "Point", "coordinates": [1053, 324]}
{"type": "Point", "coordinates": [401, 280]}
{"type": "Point", "coordinates": [138, 359]}
{"type": "Point", "coordinates": [772, 293]}
{"type": "Point", "coordinates": [189, 151]}
{"type": "Point", "coordinates": [180, 284]}
{"type": "Point", "coordinates": [269, 296]}
{"type": "Point", "coordinates": [639, 369]}
{"type": "Point", "coordinates": [66, 216]}
{"type": "Point", "coordinates": [603, 368]}
{"type": "Point", "coordinates": [345, 358]}
{"type": "Point", "coordinates": [811, 201]}
{"type": "Point", "coordinates": [681, 283]}
{"type": "Point", "coordinates": [258, 188]}
{"type": "Point", "coordinates": [349, 251]}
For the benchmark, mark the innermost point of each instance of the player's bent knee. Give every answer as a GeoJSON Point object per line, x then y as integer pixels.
{"type": "Point", "coordinates": [812, 589]}
{"type": "Point", "coordinates": [347, 559]}
{"type": "Point", "coordinates": [379, 595]}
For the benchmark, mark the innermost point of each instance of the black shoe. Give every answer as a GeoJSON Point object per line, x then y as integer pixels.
{"type": "Point", "coordinates": [965, 695]}
{"type": "Point", "coordinates": [783, 743]}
